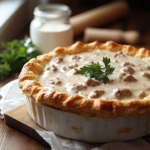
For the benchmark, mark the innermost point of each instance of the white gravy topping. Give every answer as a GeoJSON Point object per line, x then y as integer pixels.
{"type": "Point", "coordinates": [130, 79]}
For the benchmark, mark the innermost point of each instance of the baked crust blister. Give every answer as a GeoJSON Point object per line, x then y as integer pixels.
{"type": "Point", "coordinates": [28, 82]}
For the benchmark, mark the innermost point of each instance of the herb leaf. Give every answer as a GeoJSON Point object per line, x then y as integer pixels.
{"type": "Point", "coordinates": [15, 54]}
{"type": "Point", "coordinates": [4, 70]}
{"type": "Point", "coordinates": [95, 70]}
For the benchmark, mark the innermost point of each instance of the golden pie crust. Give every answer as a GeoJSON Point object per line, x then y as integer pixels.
{"type": "Point", "coordinates": [28, 82]}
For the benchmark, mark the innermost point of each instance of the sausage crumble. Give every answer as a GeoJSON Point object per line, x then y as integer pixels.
{"type": "Point", "coordinates": [121, 93]}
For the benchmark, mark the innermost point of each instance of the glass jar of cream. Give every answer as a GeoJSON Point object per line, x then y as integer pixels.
{"type": "Point", "coordinates": [50, 27]}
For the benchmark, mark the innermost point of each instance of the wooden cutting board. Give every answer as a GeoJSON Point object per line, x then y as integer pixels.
{"type": "Point", "coordinates": [19, 119]}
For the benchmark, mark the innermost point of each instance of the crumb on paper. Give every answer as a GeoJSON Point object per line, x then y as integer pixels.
{"type": "Point", "coordinates": [0, 97]}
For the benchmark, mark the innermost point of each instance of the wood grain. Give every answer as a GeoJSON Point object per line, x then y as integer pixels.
{"type": "Point", "coordinates": [11, 139]}
{"type": "Point", "coordinates": [20, 114]}
{"type": "Point", "coordinates": [19, 119]}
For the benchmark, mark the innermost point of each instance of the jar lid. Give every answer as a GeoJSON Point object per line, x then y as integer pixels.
{"type": "Point", "coordinates": [52, 11]}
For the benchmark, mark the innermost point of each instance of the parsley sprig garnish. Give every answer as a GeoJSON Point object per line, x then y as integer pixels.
{"type": "Point", "coordinates": [97, 71]}
{"type": "Point", "coordinates": [15, 54]}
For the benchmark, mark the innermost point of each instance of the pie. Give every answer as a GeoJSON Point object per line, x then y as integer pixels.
{"type": "Point", "coordinates": [53, 79]}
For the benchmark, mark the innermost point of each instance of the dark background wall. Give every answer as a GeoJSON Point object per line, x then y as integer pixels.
{"type": "Point", "coordinates": [134, 4]}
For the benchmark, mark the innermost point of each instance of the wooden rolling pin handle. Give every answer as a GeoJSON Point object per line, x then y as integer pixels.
{"type": "Point", "coordinates": [99, 16]}
{"type": "Point", "coordinates": [131, 37]}
{"type": "Point", "coordinates": [103, 35]}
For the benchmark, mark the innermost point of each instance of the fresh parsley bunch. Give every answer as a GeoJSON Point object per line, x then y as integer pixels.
{"type": "Point", "coordinates": [15, 54]}
{"type": "Point", "coordinates": [96, 70]}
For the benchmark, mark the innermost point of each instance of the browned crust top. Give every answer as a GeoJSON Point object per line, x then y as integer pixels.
{"type": "Point", "coordinates": [28, 82]}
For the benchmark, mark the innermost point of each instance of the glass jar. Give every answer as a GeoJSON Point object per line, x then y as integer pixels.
{"type": "Point", "coordinates": [50, 27]}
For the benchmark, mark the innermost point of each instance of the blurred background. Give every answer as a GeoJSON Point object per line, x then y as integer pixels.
{"type": "Point", "coordinates": [16, 16]}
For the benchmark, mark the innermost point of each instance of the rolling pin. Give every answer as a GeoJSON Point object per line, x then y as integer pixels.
{"type": "Point", "coordinates": [99, 16]}
{"type": "Point", "coordinates": [103, 35]}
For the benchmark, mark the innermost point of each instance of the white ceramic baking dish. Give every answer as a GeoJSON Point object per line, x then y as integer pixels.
{"type": "Point", "coordinates": [99, 130]}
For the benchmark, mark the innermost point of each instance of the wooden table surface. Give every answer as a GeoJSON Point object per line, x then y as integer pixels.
{"type": "Point", "coordinates": [11, 139]}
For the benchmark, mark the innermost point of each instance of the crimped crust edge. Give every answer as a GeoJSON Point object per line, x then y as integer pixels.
{"type": "Point", "coordinates": [28, 82]}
